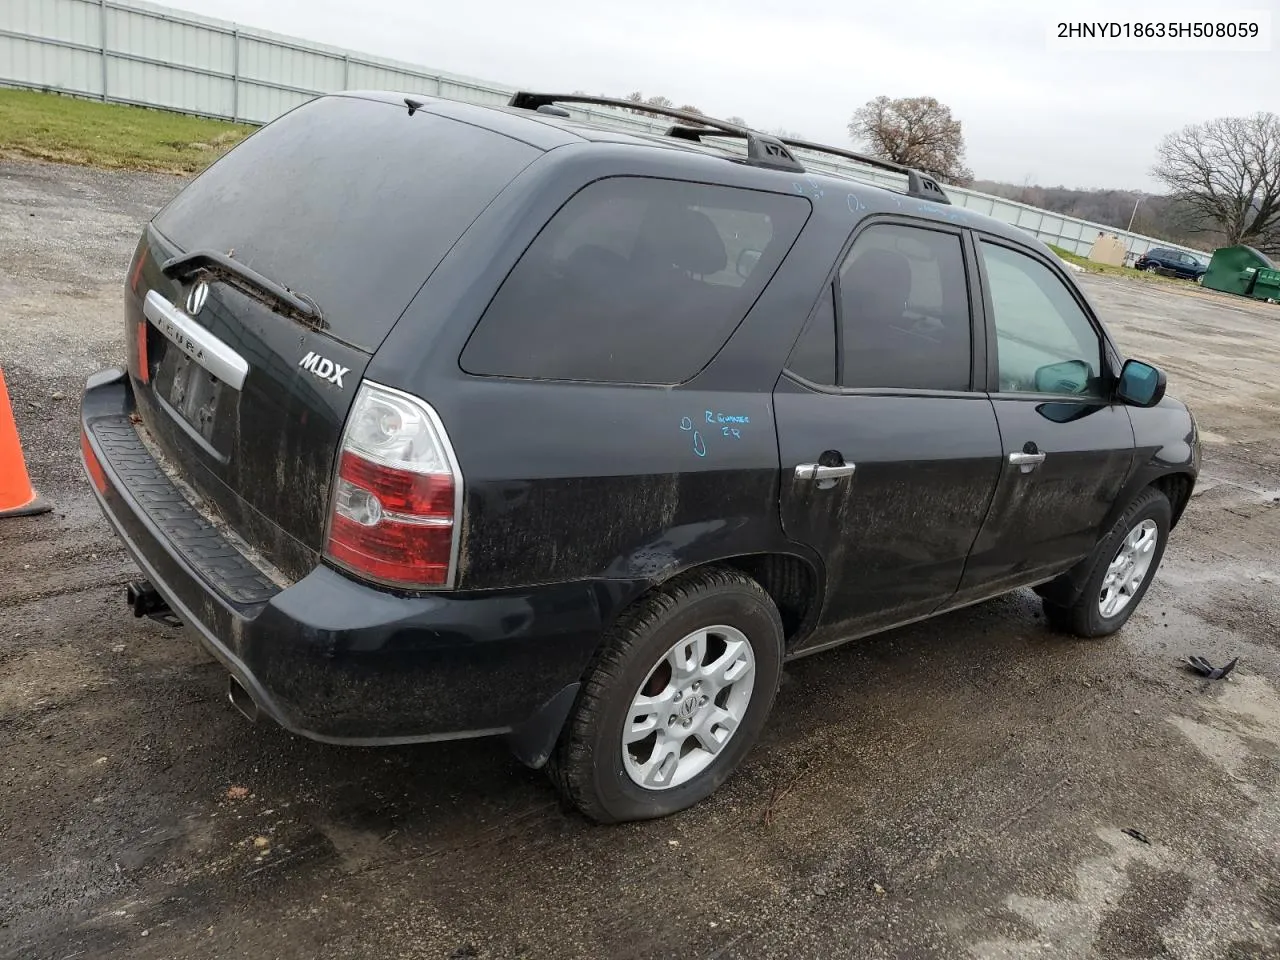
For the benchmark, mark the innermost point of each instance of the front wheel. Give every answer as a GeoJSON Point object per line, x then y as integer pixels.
{"type": "Point", "coordinates": [1122, 566]}
{"type": "Point", "coordinates": [675, 700]}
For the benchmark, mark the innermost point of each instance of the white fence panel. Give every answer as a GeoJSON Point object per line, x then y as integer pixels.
{"type": "Point", "coordinates": [54, 68]}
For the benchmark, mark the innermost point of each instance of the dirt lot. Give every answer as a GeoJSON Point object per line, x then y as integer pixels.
{"type": "Point", "coordinates": [955, 789]}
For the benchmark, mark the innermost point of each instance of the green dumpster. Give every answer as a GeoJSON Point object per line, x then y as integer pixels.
{"type": "Point", "coordinates": [1244, 271]}
{"type": "Point", "coordinates": [1267, 285]}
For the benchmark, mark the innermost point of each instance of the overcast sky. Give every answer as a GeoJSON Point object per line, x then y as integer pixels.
{"type": "Point", "coordinates": [1089, 119]}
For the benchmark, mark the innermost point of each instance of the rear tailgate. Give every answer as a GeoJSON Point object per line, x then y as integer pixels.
{"type": "Point", "coordinates": [288, 262]}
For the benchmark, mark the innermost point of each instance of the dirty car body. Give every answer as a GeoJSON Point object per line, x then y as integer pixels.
{"type": "Point", "coordinates": [424, 403]}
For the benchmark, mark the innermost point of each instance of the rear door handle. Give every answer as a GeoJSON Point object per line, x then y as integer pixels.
{"type": "Point", "coordinates": [816, 471]}
{"type": "Point", "coordinates": [1028, 461]}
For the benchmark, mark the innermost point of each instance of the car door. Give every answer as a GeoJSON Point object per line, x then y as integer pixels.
{"type": "Point", "coordinates": [889, 447]}
{"type": "Point", "coordinates": [1067, 447]}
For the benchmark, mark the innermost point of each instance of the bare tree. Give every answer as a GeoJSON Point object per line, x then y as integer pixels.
{"type": "Point", "coordinates": [737, 120]}
{"type": "Point", "coordinates": [1227, 173]}
{"type": "Point", "coordinates": [918, 132]}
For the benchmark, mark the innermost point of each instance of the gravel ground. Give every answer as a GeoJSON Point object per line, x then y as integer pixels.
{"type": "Point", "coordinates": [956, 789]}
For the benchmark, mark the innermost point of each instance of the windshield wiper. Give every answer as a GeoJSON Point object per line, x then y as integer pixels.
{"type": "Point", "coordinates": [221, 267]}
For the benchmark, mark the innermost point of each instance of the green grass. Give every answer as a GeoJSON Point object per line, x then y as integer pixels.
{"type": "Point", "coordinates": [46, 126]}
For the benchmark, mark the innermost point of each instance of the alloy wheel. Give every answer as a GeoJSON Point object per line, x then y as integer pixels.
{"type": "Point", "coordinates": [1129, 568]}
{"type": "Point", "coordinates": [688, 707]}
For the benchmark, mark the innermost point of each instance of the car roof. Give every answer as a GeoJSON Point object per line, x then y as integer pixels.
{"type": "Point", "coordinates": [847, 191]}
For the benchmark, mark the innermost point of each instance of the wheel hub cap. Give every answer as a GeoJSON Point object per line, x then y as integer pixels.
{"type": "Point", "coordinates": [1129, 568]}
{"type": "Point", "coordinates": [688, 707]}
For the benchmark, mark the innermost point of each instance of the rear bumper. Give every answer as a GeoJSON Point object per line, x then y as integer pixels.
{"type": "Point", "coordinates": [328, 657]}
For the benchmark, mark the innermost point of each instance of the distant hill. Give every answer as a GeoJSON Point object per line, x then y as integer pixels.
{"type": "Point", "coordinates": [1158, 216]}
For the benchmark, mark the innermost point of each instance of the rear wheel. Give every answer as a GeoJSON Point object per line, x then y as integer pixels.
{"type": "Point", "coordinates": [1122, 566]}
{"type": "Point", "coordinates": [675, 700]}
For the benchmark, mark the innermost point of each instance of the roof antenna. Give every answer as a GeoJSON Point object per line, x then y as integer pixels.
{"type": "Point", "coordinates": [413, 105]}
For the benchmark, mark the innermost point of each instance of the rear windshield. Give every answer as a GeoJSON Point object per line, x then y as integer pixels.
{"type": "Point", "coordinates": [349, 202]}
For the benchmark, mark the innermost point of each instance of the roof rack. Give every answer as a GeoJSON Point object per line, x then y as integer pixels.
{"type": "Point", "coordinates": [919, 186]}
{"type": "Point", "coordinates": [762, 149]}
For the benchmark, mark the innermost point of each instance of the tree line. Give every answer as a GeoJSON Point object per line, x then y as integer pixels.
{"type": "Point", "coordinates": [1223, 175]}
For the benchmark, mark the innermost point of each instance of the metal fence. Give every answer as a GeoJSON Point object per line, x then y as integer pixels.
{"type": "Point", "coordinates": [140, 53]}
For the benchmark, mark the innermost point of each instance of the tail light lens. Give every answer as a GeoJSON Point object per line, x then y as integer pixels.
{"type": "Point", "coordinates": [393, 510]}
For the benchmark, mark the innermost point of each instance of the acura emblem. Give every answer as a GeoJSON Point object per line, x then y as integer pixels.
{"type": "Point", "coordinates": [196, 298]}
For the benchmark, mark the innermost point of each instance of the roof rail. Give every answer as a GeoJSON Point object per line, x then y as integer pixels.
{"type": "Point", "coordinates": [762, 149]}
{"type": "Point", "coordinates": [919, 186]}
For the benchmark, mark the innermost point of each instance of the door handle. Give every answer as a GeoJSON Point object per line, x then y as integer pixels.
{"type": "Point", "coordinates": [816, 471]}
{"type": "Point", "coordinates": [1026, 461]}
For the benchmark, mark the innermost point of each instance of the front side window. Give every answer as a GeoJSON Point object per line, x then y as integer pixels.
{"type": "Point", "coordinates": [635, 280]}
{"type": "Point", "coordinates": [1044, 341]}
{"type": "Point", "coordinates": [904, 310]}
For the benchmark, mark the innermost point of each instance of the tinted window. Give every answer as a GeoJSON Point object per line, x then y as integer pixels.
{"type": "Point", "coordinates": [814, 356]}
{"type": "Point", "coordinates": [635, 280]}
{"type": "Point", "coordinates": [349, 202]}
{"type": "Point", "coordinates": [904, 310]}
{"type": "Point", "coordinates": [1044, 341]}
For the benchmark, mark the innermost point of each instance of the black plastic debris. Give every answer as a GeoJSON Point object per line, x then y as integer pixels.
{"type": "Point", "coordinates": [1203, 667]}
{"type": "Point", "coordinates": [1137, 835]}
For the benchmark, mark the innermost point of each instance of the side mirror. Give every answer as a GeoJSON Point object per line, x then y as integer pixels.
{"type": "Point", "coordinates": [1070, 377]}
{"type": "Point", "coordinates": [1141, 384]}
{"type": "Point", "coordinates": [747, 261]}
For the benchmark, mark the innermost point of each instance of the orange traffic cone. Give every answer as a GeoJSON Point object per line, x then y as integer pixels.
{"type": "Point", "coordinates": [17, 499]}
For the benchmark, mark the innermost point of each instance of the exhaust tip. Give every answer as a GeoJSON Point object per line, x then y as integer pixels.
{"type": "Point", "coordinates": [241, 699]}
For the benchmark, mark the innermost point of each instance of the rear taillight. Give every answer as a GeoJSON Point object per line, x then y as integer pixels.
{"type": "Point", "coordinates": [395, 496]}
{"type": "Point", "coordinates": [144, 361]}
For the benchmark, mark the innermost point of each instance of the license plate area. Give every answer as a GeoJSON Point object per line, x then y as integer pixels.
{"type": "Point", "coordinates": [194, 392]}
{"type": "Point", "coordinates": [201, 404]}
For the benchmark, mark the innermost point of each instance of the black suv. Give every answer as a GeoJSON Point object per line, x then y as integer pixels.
{"type": "Point", "coordinates": [447, 421]}
{"type": "Point", "coordinates": [1172, 263]}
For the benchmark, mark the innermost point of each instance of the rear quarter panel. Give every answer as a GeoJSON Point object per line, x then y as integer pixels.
{"type": "Point", "coordinates": [569, 480]}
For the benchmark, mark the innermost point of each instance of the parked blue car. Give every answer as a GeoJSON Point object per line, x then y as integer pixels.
{"type": "Point", "coordinates": [1172, 263]}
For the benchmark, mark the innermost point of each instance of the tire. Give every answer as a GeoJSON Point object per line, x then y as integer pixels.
{"type": "Point", "coordinates": [1089, 615]}
{"type": "Point", "coordinates": [1152, 268]}
{"type": "Point", "coordinates": [588, 765]}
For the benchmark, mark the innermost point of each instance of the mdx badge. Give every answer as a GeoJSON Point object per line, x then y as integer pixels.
{"type": "Point", "coordinates": [323, 367]}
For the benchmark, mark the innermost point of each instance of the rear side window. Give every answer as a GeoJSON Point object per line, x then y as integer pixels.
{"type": "Point", "coordinates": [349, 202]}
{"type": "Point", "coordinates": [904, 310]}
{"type": "Point", "coordinates": [635, 280]}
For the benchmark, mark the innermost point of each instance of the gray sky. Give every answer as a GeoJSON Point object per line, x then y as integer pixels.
{"type": "Point", "coordinates": [1089, 119]}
